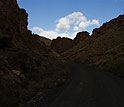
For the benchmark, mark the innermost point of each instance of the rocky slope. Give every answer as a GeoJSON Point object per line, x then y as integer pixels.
{"type": "Point", "coordinates": [60, 45]}
{"type": "Point", "coordinates": [27, 65]}
{"type": "Point", "coordinates": [105, 49]}
{"type": "Point", "coordinates": [46, 41]}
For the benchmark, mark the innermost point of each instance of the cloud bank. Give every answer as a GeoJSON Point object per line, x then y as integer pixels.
{"type": "Point", "coordinates": [51, 34]}
{"type": "Point", "coordinates": [75, 21]}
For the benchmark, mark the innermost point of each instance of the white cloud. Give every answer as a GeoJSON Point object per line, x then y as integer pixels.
{"type": "Point", "coordinates": [76, 20]}
{"type": "Point", "coordinates": [49, 33]}
{"type": "Point", "coordinates": [76, 29]}
{"type": "Point", "coordinates": [64, 24]}
{"type": "Point", "coordinates": [85, 24]}
{"type": "Point", "coordinates": [95, 22]}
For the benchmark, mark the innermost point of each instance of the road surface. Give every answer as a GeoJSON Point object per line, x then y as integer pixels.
{"type": "Point", "coordinates": [88, 87]}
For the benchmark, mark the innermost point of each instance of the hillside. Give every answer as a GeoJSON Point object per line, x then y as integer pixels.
{"type": "Point", "coordinates": [44, 40]}
{"type": "Point", "coordinates": [27, 66]}
{"type": "Point", "coordinates": [105, 49]}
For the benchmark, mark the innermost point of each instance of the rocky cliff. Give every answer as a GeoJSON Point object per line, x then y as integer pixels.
{"type": "Point", "coordinates": [105, 50]}
{"type": "Point", "coordinates": [81, 37]}
{"type": "Point", "coordinates": [27, 66]}
{"type": "Point", "coordinates": [60, 45]}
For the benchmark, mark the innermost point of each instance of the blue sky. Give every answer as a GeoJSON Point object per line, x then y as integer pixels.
{"type": "Point", "coordinates": [52, 18]}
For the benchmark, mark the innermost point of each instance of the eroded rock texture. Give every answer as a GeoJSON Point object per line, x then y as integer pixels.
{"type": "Point", "coordinates": [27, 66]}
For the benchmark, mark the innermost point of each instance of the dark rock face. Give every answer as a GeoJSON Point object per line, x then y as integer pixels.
{"type": "Point", "coordinates": [5, 41]}
{"type": "Point", "coordinates": [81, 36]}
{"type": "Point", "coordinates": [27, 66]}
{"type": "Point", "coordinates": [13, 23]}
{"type": "Point", "coordinates": [10, 15]}
{"type": "Point", "coordinates": [46, 41]}
{"type": "Point", "coordinates": [60, 45]}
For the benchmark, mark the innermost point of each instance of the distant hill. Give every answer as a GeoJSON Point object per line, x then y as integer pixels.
{"type": "Point", "coordinates": [60, 45]}
{"type": "Point", "coordinates": [104, 49]}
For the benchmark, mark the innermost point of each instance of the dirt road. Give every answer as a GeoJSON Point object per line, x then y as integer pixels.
{"type": "Point", "coordinates": [91, 88]}
{"type": "Point", "coordinates": [87, 87]}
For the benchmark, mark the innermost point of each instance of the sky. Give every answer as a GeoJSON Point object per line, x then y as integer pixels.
{"type": "Point", "coordinates": [53, 18]}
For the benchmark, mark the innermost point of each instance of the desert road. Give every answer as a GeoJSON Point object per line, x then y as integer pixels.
{"type": "Point", "coordinates": [89, 87]}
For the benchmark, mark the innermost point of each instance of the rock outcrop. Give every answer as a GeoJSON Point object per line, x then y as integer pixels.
{"type": "Point", "coordinates": [10, 15]}
{"type": "Point", "coordinates": [27, 65]}
{"type": "Point", "coordinates": [81, 37]}
{"type": "Point", "coordinates": [60, 45]}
